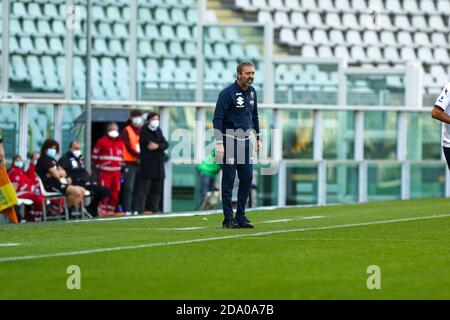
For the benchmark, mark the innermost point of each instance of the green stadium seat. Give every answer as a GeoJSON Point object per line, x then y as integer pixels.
{"type": "Point", "coordinates": [98, 13]}
{"type": "Point", "coordinates": [144, 15]}
{"type": "Point", "coordinates": [18, 9]}
{"type": "Point", "coordinates": [56, 45]}
{"type": "Point", "coordinates": [14, 45]}
{"type": "Point", "coordinates": [167, 32]}
{"type": "Point", "coordinates": [178, 16]}
{"type": "Point", "coordinates": [34, 10]}
{"type": "Point", "coordinates": [29, 27]}
{"type": "Point", "coordinates": [183, 33]}
{"type": "Point", "coordinates": [19, 67]}
{"type": "Point", "coordinates": [160, 49]}
{"type": "Point", "coordinates": [176, 49]}
{"type": "Point", "coordinates": [58, 28]}
{"type": "Point", "coordinates": [152, 31]}
{"type": "Point", "coordinates": [26, 45]}
{"type": "Point", "coordinates": [221, 50]}
{"type": "Point", "coordinates": [41, 45]}
{"type": "Point", "coordinates": [192, 16]}
{"type": "Point", "coordinates": [50, 10]}
{"type": "Point", "coordinates": [14, 27]}
{"type": "Point", "coordinates": [162, 16]}
{"type": "Point", "coordinates": [190, 48]}
{"type": "Point", "coordinates": [104, 29]}
{"type": "Point", "coordinates": [100, 47]}
{"type": "Point", "coordinates": [120, 30]}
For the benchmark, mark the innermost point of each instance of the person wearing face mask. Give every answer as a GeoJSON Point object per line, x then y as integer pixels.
{"type": "Point", "coordinates": [131, 155]}
{"type": "Point", "coordinates": [107, 156]}
{"type": "Point", "coordinates": [26, 188]}
{"type": "Point", "coordinates": [54, 178]}
{"type": "Point", "coordinates": [153, 144]}
{"type": "Point", "coordinates": [72, 161]}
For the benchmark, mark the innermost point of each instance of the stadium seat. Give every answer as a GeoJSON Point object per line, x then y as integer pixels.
{"type": "Point", "coordinates": [394, 6]}
{"type": "Point", "coordinates": [411, 6]}
{"type": "Point", "coordinates": [320, 37]}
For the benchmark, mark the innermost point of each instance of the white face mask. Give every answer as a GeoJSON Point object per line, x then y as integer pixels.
{"type": "Point", "coordinates": [51, 153]}
{"type": "Point", "coordinates": [77, 153]}
{"type": "Point", "coordinates": [113, 134]}
{"type": "Point", "coordinates": [137, 121]}
{"type": "Point", "coordinates": [19, 164]}
{"type": "Point", "coordinates": [154, 124]}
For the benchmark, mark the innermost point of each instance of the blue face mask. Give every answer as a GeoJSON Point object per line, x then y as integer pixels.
{"type": "Point", "coordinates": [51, 153]}
{"type": "Point", "coordinates": [18, 164]}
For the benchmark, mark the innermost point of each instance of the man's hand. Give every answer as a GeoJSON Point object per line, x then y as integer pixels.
{"type": "Point", "coordinates": [219, 150]}
{"type": "Point", "coordinates": [153, 146]}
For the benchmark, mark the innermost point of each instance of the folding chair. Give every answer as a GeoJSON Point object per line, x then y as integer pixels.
{"type": "Point", "coordinates": [21, 204]}
{"type": "Point", "coordinates": [52, 196]}
{"type": "Point", "coordinates": [81, 210]}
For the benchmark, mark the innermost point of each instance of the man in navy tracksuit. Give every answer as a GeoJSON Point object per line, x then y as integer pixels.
{"type": "Point", "coordinates": [235, 117]}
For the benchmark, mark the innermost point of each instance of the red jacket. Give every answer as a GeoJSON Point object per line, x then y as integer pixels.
{"type": "Point", "coordinates": [22, 180]}
{"type": "Point", "coordinates": [108, 154]}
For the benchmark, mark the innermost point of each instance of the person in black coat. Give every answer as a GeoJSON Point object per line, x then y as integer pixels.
{"type": "Point", "coordinates": [153, 144]}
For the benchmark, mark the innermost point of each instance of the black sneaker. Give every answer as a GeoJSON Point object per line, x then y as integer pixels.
{"type": "Point", "coordinates": [246, 225]}
{"type": "Point", "coordinates": [227, 224]}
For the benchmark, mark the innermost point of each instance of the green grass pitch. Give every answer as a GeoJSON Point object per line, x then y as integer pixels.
{"type": "Point", "coordinates": [288, 256]}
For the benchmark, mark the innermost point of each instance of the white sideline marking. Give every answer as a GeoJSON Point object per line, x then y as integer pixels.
{"type": "Point", "coordinates": [276, 221]}
{"type": "Point", "coordinates": [182, 229]}
{"type": "Point", "coordinates": [350, 240]}
{"type": "Point", "coordinates": [199, 213]}
{"type": "Point", "coordinates": [9, 244]}
{"type": "Point", "coordinates": [161, 244]}
{"type": "Point", "coordinates": [312, 218]}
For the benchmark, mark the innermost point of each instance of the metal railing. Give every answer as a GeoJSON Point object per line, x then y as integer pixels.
{"type": "Point", "coordinates": [275, 139]}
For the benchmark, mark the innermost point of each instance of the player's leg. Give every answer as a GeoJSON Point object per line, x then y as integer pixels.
{"type": "Point", "coordinates": [245, 174]}
{"type": "Point", "coordinates": [447, 155]}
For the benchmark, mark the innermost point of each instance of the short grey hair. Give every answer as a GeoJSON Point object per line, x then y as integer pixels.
{"type": "Point", "coordinates": [244, 64]}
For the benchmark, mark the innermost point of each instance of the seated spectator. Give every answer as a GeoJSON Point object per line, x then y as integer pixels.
{"type": "Point", "coordinates": [73, 163]}
{"type": "Point", "coordinates": [26, 188]}
{"type": "Point", "coordinates": [54, 178]}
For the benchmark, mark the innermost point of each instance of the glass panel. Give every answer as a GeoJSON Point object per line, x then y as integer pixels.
{"type": "Point", "coordinates": [110, 50]}
{"type": "Point", "coordinates": [424, 137]}
{"type": "Point", "coordinates": [302, 184]}
{"type": "Point", "coordinates": [380, 135]}
{"type": "Point", "coordinates": [376, 90]}
{"type": "Point", "coordinates": [185, 188]}
{"type": "Point", "coordinates": [224, 48]}
{"type": "Point", "coordinates": [9, 123]}
{"type": "Point", "coordinates": [166, 46]}
{"type": "Point", "coordinates": [71, 128]}
{"type": "Point", "coordinates": [37, 48]}
{"type": "Point", "coordinates": [427, 180]}
{"type": "Point", "coordinates": [384, 182]}
{"type": "Point", "coordinates": [181, 152]}
{"type": "Point", "coordinates": [338, 135]}
{"type": "Point", "coordinates": [266, 188]}
{"type": "Point", "coordinates": [297, 134]}
{"type": "Point", "coordinates": [342, 183]}
{"type": "Point", "coordinates": [40, 126]}
{"type": "Point", "coordinates": [306, 83]}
